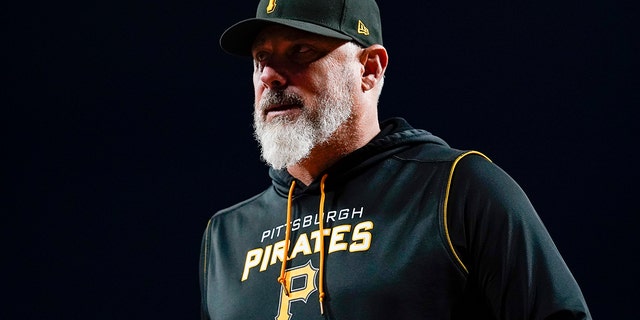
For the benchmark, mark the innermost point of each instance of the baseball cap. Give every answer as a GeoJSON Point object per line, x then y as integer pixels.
{"type": "Point", "coordinates": [353, 20]}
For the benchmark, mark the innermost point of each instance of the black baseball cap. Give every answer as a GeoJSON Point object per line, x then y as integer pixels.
{"type": "Point", "coordinates": [353, 20]}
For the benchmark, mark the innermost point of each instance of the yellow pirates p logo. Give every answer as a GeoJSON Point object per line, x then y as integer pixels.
{"type": "Point", "coordinates": [302, 282]}
{"type": "Point", "coordinates": [271, 6]}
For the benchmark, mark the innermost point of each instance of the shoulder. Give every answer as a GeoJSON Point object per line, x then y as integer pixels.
{"type": "Point", "coordinates": [249, 204]}
{"type": "Point", "coordinates": [430, 152]}
{"type": "Point", "coordinates": [476, 173]}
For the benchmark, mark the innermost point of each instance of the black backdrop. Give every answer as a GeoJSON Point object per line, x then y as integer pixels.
{"type": "Point", "coordinates": [126, 127]}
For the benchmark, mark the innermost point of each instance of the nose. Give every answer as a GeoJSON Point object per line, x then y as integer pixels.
{"type": "Point", "coordinates": [271, 77]}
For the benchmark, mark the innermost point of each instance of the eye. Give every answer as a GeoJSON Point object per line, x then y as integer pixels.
{"type": "Point", "coordinates": [302, 49]}
{"type": "Point", "coordinates": [260, 56]}
{"type": "Point", "coordinates": [303, 53]}
{"type": "Point", "coordinates": [259, 59]}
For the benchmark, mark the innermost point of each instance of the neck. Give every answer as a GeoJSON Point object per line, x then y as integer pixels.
{"type": "Point", "coordinates": [344, 141]}
{"type": "Point", "coordinates": [321, 158]}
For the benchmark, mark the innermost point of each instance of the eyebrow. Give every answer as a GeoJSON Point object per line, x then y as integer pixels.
{"type": "Point", "coordinates": [258, 42]}
{"type": "Point", "coordinates": [288, 36]}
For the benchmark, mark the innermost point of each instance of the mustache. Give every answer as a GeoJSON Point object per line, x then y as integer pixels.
{"type": "Point", "coordinates": [279, 98]}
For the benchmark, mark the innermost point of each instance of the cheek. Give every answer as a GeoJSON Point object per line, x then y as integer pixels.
{"type": "Point", "coordinates": [258, 88]}
{"type": "Point", "coordinates": [256, 81]}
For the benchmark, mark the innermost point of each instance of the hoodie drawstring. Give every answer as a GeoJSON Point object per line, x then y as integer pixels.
{"type": "Point", "coordinates": [321, 238]}
{"type": "Point", "coordinates": [287, 238]}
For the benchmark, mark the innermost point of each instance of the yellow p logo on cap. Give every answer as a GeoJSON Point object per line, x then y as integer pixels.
{"type": "Point", "coordinates": [271, 6]}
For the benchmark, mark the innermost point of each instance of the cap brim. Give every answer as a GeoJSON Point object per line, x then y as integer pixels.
{"type": "Point", "coordinates": [238, 38]}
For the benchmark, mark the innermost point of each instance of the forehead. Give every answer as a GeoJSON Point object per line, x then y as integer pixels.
{"type": "Point", "coordinates": [284, 33]}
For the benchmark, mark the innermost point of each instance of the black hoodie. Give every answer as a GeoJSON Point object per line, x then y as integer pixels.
{"type": "Point", "coordinates": [413, 229]}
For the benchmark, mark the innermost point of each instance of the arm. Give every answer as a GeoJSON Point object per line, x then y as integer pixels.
{"type": "Point", "coordinates": [204, 255]}
{"type": "Point", "coordinates": [507, 250]}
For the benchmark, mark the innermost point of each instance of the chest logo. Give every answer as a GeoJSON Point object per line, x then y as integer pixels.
{"type": "Point", "coordinates": [303, 284]}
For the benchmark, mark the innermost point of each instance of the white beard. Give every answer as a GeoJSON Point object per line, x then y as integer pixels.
{"type": "Point", "coordinates": [285, 141]}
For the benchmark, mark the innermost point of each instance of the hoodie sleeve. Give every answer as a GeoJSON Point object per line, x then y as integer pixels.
{"type": "Point", "coordinates": [510, 257]}
{"type": "Point", "coordinates": [204, 256]}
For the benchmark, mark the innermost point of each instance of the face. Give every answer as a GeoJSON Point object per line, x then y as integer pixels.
{"type": "Point", "coordinates": [305, 88]}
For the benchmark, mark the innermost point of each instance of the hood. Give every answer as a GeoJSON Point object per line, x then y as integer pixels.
{"type": "Point", "coordinates": [396, 135]}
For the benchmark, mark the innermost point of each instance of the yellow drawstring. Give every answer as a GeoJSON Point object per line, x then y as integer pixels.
{"type": "Point", "coordinates": [287, 237]}
{"type": "Point", "coordinates": [282, 279]}
{"type": "Point", "coordinates": [321, 229]}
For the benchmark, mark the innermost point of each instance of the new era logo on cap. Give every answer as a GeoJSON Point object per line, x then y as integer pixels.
{"type": "Point", "coordinates": [353, 20]}
{"type": "Point", "coordinates": [362, 29]}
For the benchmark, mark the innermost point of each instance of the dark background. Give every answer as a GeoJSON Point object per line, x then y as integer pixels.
{"type": "Point", "coordinates": [126, 128]}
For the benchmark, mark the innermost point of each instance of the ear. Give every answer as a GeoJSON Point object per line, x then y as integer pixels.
{"type": "Point", "coordinates": [374, 60]}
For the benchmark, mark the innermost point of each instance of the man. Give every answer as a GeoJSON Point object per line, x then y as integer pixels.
{"type": "Point", "coordinates": [366, 220]}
